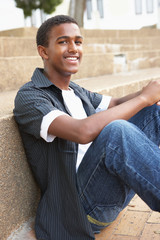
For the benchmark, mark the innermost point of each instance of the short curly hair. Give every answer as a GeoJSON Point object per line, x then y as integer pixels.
{"type": "Point", "coordinates": [44, 30]}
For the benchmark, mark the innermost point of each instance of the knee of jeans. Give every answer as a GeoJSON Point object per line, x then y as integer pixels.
{"type": "Point", "coordinates": [118, 125]}
{"type": "Point", "coordinates": [118, 128]}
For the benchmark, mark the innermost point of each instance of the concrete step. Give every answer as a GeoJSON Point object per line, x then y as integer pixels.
{"type": "Point", "coordinates": [15, 71]}
{"type": "Point", "coordinates": [19, 193]}
{"type": "Point", "coordinates": [150, 42]}
{"type": "Point", "coordinates": [19, 32]}
{"type": "Point", "coordinates": [111, 63]}
{"type": "Point", "coordinates": [115, 85]}
{"type": "Point", "coordinates": [120, 84]}
{"type": "Point", "coordinates": [7, 103]}
{"type": "Point", "coordinates": [26, 46]}
{"type": "Point", "coordinates": [142, 33]}
{"type": "Point", "coordinates": [17, 46]}
{"type": "Point", "coordinates": [21, 68]}
{"type": "Point", "coordinates": [138, 60]}
{"type": "Point", "coordinates": [116, 48]}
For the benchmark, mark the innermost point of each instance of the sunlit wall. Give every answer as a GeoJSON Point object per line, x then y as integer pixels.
{"type": "Point", "coordinates": [123, 14]}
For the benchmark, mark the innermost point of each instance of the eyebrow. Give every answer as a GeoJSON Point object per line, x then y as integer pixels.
{"type": "Point", "coordinates": [62, 37]}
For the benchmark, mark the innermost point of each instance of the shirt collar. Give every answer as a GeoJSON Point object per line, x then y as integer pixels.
{"type": "Point", "coordinates": [40, 80]}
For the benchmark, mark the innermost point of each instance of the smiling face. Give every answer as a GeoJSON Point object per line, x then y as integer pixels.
{"type": "Point", "coordinates": [64, 50]}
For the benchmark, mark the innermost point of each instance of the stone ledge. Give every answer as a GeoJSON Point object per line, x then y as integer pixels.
{"type": "Point", "coordinates": [120, 84]}
{"type": "Point", "coordinates": [142, 33]}
{"type": "Point", "coordinates": [7, 103]}
{"type": "Point", "coordinates": [93, 65]}
{"type": "Point", "coordinates": [20, 32]}
{"type": "Point", "coordinates": [20, 69]}
{"type": "Point", "coordinates": [16, 46]}
{"type": "Point", "coordinates": [18, 191]}
{"type": "Point", "coordinates": [12, 46]}
{"type": "Point", "coordinates": [115, 85]}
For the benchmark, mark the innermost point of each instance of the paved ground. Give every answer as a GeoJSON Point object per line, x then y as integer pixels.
{"type": "Point", "coordinates": [136, 222]}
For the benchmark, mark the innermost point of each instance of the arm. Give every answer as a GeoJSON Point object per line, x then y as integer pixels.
{"type": "Point", "coordinates": [116, 101]}
{"type": "Point", "coordinates": [86, 130]}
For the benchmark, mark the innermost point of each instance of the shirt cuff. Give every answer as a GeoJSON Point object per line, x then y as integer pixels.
{"type": "Point", "coordinates": [46, 121]}
{"type": "Point", "coordinates": [104, 103]}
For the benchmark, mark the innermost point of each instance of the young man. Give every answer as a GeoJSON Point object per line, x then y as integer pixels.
{"type": "Point", "coordinates": [89, 153]}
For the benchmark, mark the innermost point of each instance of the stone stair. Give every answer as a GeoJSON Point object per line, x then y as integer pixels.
{"type": "Point", "coordinates": [114, 63]}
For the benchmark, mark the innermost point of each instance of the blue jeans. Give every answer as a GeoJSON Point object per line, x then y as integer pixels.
{"type": "Point", "coordinates": [123, 160]}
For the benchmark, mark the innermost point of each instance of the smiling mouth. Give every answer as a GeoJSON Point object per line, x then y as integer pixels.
{"type": "Point", "coordinates": [72, 58]}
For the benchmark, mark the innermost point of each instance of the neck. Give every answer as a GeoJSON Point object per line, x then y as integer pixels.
{"type": "Point", "coordinates": [59, 81]}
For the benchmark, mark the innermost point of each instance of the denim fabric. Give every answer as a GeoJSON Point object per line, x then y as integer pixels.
{"type": "Point", "coordinates": [123, 160]}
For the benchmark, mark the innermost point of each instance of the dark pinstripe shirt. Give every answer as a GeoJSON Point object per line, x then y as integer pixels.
{"type": "Point", "coordinates": [60, 215]}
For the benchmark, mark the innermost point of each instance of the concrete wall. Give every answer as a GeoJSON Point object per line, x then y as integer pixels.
{"type": "Point", "coordinates": [121, 15]}
{"type": "Point", "coordinates": [18, 191]}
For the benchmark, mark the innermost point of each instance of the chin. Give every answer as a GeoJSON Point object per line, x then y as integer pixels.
{"type": "Point", "coordinates": [71, 72]}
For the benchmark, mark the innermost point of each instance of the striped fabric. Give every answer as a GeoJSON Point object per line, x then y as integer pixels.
{"type": "Point", "coordinates": [60, 215]}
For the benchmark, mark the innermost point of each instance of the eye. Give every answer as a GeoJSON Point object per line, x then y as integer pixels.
{"type": "Point", "coordinates": [62, 42]}
{"type": "Point", "coordinates": [78, 42]}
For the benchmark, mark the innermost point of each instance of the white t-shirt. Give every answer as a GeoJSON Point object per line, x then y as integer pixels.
{"type": "Point", "coordinates": [74, 105]}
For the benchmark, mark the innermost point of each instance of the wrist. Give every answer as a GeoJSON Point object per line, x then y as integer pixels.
{"type": "Point", "coordinates": [143, 100]}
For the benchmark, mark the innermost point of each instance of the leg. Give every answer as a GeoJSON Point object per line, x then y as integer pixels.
{"type": "Point", "coordinates": [120, 159]}
{"type": "Point", "coordinates": [148, 120]}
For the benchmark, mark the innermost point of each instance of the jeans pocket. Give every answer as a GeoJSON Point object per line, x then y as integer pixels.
{"type": "Point", "coordinates": [102, 216]}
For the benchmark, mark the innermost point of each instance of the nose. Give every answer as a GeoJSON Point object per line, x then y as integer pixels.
{"type": "Point", "coordinates": [72, 47]}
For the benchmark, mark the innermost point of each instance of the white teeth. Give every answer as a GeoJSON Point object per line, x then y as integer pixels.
{"type": "Point", "coordinates": [72, 58]}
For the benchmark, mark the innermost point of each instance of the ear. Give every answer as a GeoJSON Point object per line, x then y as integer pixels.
{"type": "Point", "coordinates": [42, 51]}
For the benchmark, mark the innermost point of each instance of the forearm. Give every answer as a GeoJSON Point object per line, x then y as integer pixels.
{"type": "Point", "coordinates": [96, 122]}
{"type": "Point", "coordinates": [87, 129]}
{"type": "Point", "coordinates": [128, 97]}
{"type": "Point", "coordinates": [117, 101]}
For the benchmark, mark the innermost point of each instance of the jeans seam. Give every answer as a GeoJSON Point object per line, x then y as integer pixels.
{"type": "Point", "coordinates": [148, 122]}
{"type": "Point", "coordinates": [135, 173]}
{"type": "Point", "coordinates": [102, 157]}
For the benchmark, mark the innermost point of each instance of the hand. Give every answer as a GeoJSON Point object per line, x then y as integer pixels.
{"type": "Point", "coordinates": [151, 93]}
